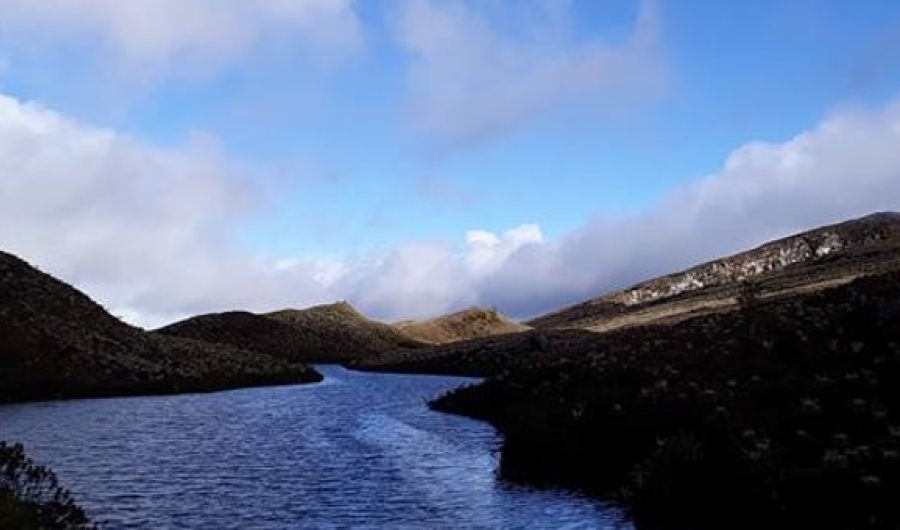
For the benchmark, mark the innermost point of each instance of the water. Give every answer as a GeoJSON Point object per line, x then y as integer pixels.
{"type": "Point", "coordinates": [356, 451]}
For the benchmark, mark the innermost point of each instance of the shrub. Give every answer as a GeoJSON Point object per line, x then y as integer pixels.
{"type": "Point", "coordinates": [31, 497]}
{"type": "Point", "coordinates": [749, 294]}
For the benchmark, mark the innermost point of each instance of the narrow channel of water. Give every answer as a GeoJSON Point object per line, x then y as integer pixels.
{"type": "Point", "coordinates": [356, 451]}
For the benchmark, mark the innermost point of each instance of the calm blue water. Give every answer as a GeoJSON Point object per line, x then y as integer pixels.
{"type": "Point", "coordinates": [356, 451]}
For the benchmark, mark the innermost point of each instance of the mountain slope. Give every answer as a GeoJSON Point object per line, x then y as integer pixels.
{"type": "Point", "coordinates": [243, 330]}
{"type": "Point", "coordinates": [782, 414]}
{"type": "Point", "coordinates": [818, 258]}
{"type": "Point", "coordinates": [462, 325]}
{"type": "Point", "coordinates": [338, 333]}
{"type": "Point", "coordinates": [785, 269]}
{"type": "Point", "coordinates": [329, 333]}
{"type": "Point", "coordinates": [55, 342]}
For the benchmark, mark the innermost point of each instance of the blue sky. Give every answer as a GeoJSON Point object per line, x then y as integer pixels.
{"type": "Point", "coordinates": [346, 137]}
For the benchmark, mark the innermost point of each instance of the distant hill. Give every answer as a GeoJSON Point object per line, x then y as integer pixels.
{"type": "Point", "coordinates": [338, 332]}
{"type": "Point", "coordinates": [823, 257]}
{"type": "Point", "coordinates": [462, 325]}
{"type": "Point", "coordinates": [325, 333]}
{"type": "Point", "coordinates": [812, 261]}
{"type": "Point", "coordinates": [245, 330]}
{"type": "Point", "coordinates": [55, 342]}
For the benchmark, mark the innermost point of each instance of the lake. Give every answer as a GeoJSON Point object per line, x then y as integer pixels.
{"type": "Point", "coordinates": [358, 450]}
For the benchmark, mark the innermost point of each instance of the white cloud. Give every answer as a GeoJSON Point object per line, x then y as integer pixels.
{"type": "Point", "coordinates": [471, 77]}
{"type": "Point", "coordinates": [147, 230]}
{"type": "Point", "coordinates": [159, 35]}
{"type": "Point", "coordinates": [486, 251]}
{"type": "Point", "coordinates": [150, 231]}
{"type": "Point", "coordinates": [426, 279]}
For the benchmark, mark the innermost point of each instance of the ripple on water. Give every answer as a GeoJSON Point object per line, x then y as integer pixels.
{"type": "Point", "coordinates": [359, 451]}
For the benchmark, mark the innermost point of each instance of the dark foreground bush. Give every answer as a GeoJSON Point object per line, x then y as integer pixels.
{"type": "Point", "coordinates": [31, 497]}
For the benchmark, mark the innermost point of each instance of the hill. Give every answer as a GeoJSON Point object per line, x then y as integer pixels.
{"type": "Point", "coordinates": [338, 332]}
{"type": "Point", "coordinates": [245, 330]}
{"type": "Point", "coordinates": [814, 259]}
{"type": "Point", "coordinates": [328, 333]}
{"type": "Point", "coordinates": [462, 325]}
{"type": "Point", "coordinates": [780, 415]}
{"type": "Point", "coordinates": [55, 342]}
{"type": "Point", "coordinates": [811, 261]}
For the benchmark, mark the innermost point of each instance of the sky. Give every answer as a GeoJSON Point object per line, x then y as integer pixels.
{"type": "Point", "coordinates": [415, 157]}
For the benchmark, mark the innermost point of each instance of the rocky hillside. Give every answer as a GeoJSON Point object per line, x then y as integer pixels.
{"type": "Point", "coordinates": [817, 258]}
{"type": "Point", "coordinates": [462, 325]}
{"type": "Point", "coordinates": [338, 333]}
{"type": "Point", "coordinates": [55, 342]}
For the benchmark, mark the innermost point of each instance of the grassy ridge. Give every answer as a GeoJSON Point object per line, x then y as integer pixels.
{"type": "Point", "coordinates": [463, 325]}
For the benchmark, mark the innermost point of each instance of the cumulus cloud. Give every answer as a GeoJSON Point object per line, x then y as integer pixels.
{"type": "Point", "coordinates": [147, 230]}
{"type": "Point", "coordinates": [427, 279]}
{"type": "Point", "coordinates": [471, 76]}
{"type": "Point", "coordinates": [159, 35]}
{"type": "Point", "coordinates": [150, 231]}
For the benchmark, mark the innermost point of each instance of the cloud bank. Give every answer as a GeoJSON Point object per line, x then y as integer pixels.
{"type": "Point", "coordinates": [150, 231]}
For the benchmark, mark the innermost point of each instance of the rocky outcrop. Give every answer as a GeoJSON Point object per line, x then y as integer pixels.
{"type": "Point", "coordinates": [463, 325]}
{"type": "Point", "coordinates": [771, 257]}
{"type": "Point", "coordinates": [55, 342]}
{"type": "Point", "coordinates": [857, 247]}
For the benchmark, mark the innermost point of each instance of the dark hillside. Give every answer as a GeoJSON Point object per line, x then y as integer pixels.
{"type": "Point", "coordinates": [55, 342]}
{"type": "Point", "coordinates": [338, 332]}
{"type": "Point", "coordinates": [783, 414]}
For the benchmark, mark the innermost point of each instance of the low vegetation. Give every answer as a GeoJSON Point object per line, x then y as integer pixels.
{"type": "Point", "coordinates": [783, 415]}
